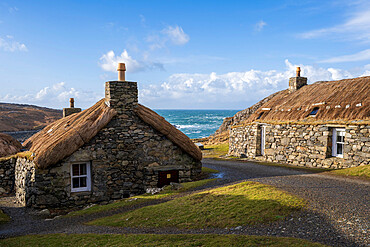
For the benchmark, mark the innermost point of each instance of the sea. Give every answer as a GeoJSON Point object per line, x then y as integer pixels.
{"type": "Point", "coordinates": [196, 123]}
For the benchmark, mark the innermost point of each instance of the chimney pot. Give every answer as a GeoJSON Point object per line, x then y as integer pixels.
{"type": "Point", "coordinates": [71, 102]}
{"type": "Point", "coordinates": [298, 71]}
{"type": "Point", "coordinates": [121, 71]}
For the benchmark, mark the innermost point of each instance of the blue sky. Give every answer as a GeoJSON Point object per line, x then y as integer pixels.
{"type": "Point", "coordinates": [183, 54]}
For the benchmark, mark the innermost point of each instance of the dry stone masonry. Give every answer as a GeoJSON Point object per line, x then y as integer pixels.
{"type": "Point", "coordinates": [324, 124]}
{"type": "Point", "coordinates": [126, 157]}
{"type": "Point", "coordinates": [7, 175]}
{"type": "Point", "coordinates": [301, 145]}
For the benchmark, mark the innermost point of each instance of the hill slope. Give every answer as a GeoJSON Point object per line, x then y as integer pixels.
{"type": "Point", "coordinates": [17, 117]}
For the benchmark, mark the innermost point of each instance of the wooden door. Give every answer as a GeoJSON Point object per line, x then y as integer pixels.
{"type": "Point", "coordinates": [166, 177]}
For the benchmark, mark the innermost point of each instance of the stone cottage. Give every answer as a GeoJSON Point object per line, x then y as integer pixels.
{"type": "Point", "coordinates": [324, 124]}
{"type": "Point", "coordinates": [109, 151]}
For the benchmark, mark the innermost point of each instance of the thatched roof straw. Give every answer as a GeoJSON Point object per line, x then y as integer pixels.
{"type": "Point", "coordinates": [8, 145]}
{"type": "Point", "coordinates": [335, 100]}
{"type": "Point", "coordinates": [167, 129]}
{"type": "Point", "coordinates": [63, 137]}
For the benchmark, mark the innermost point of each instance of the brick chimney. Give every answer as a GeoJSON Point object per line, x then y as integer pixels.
{"type": "Point", "coordinates": [71, 109]}
{"type": "Point", "coordinates": [297, 82]}
{"type": "Point", "coordinates": [121, 95]}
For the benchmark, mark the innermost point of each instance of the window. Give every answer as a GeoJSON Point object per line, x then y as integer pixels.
{"type": "Point", "coordinates": [80, 177]}
{"type": "Point", "coordinates": [260, 115]}
{"type": "Point", "coordinates": [263, 139]}
{"type": "Point", "coordinates": [314, 112]}
{"type": "Point", "coordinates": [338, 142]}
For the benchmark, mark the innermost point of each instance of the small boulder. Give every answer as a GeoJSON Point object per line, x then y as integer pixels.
{"type": "Point", "coordinates": [176, 186]}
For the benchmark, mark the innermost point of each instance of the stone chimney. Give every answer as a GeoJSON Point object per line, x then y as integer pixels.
{"type": "Point", "coordinates": [121, 95]}
{"type": "Point", "coordinates": [297, 82]}
{"type": "Point", "coordinates": [71, 109]}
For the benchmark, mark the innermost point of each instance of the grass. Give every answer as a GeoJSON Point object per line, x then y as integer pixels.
{"type": "Point", "coordinates": [230, 206]}
{"type": "Point", "coordinates": [25, 154]}
{"type": "Point", "coordinates": [139, 199]}
{"type": "Point", "coordinates": [216, 150]}
{"type": "Point", "coordinates": [207, 170]}
{"type": "Point", "coordinates": [4, 218]}
{"type": "Point", "coordinates": [359, 171]}
{"type": "Point", "coordinates": [210, 240]}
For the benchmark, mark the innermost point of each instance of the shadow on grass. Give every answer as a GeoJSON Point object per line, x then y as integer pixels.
{"type": "Point", "coordinates": [257, 219]}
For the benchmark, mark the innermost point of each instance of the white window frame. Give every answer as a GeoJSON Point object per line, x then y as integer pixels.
{"type": "Point", "coordinates": [88, 177]}
{"type": "Point", "coordinates": [263, 139]}
{"type": "Point", "coordinates": [335, 143]}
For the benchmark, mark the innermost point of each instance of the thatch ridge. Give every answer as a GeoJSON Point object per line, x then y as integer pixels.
{"type": "Point", "coordinates": [346, 99]}
{"type": "Point", "coordinates": [66, 135]}
{"type": "Point", "coordinates": [167, 129]}
{"type": "Point", "coordinates": [8, 145]}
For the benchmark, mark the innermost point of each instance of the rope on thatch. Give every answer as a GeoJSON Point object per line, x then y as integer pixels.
{"type": "Point", "coordinates": [8, 145]}
{"type": "Point", "coordinates": [351, 94]}
{"type": "Point", "coordinates": [65, 136]}
{"type": "Point", "coordinates": [167, 129]}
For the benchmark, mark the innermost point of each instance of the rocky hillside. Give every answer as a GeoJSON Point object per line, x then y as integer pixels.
{"type": "Point", "coordinates": [16, 117]}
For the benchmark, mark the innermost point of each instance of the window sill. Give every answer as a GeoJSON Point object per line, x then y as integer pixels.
{"type": "Point", "coordinates": [86, 192]}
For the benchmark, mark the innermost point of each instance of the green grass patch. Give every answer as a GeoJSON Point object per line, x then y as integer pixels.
{"type": "Point", "coordinates": [209, 170]}
{"type": "Point", "coordinates": [4, 218]}
{"type": "Point", "coordinates": [215, 151]}
{"type": "Point", "coordinates": [210, 240]}
{"type": "Point", "coordinates": [25, 154]}
{"type": "Point", "coordinates": [230, 206]}
{"type": "Point", "coordinates": [167, 191]}
{"type": "Point", "coordinates": [359, 171]}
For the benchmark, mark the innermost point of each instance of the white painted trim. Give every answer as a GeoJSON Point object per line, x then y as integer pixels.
{"type": "Point", "coordinates": [263, 139]}
{"type": "Point", "coordinates": [88, 178]}
{"type": "Point", "coordinates": [335, 144]}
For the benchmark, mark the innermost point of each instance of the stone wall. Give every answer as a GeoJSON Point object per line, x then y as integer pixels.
{"type": "Point", "coordinates": [302, 145]}
{"type": "Point", "coordinates": [7, 166]}
{"type": "Point", "coordinates": [125, 157]}
{"type": "Point", "coordinates": [24, 181]}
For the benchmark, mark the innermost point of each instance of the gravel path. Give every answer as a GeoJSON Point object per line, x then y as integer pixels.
{"type": "Point", "coordinates": [337, 215]}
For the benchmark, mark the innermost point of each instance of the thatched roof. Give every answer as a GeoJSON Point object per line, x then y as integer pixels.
{"type": "Point", "coordinates": [8, 145]}
{"type": "Point", "coordinates": [167, 129]}
{"type": "Point", "coordinates": [66, 135]}
{"type": "Point", "coordinates": [336, 100]}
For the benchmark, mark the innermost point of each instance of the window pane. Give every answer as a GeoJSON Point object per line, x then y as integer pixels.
{"type": "Point", "coordinates": [83, 182]}
{"type": "Point", "coordinates": [75, 170]}
{"type": "Point", "coordinates": [339, 148]}
{"type": "Point", "coordinates": [340, 138]}
{"type": "Point", "coordinates": [76, 182]}
{"type": "Point", "coordinates": [82, 169]}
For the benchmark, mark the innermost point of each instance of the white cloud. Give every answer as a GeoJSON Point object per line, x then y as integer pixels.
{"type": "Point", "coordinates": [55, 96]}
{"type": "Point", "coordinates": [359, 56]}
{"type": "Point", "coordinates": [260, 25]}
{"type": "Point", "coordinates": [236, 90]}
{"type": "Point", "coordinates": [10, 45]}
{"type": "Point", "coordinates": [109, 62]}
{"type": "Point", "coordinates": [357, 27]}
{"type": "Point", "coordinates": [173, 34]}
{"type": "Point", "coordinates": [176, 35]}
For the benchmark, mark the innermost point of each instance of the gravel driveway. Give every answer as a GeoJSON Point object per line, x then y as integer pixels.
{"type": "Point", "coordinates": [337, 215]}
